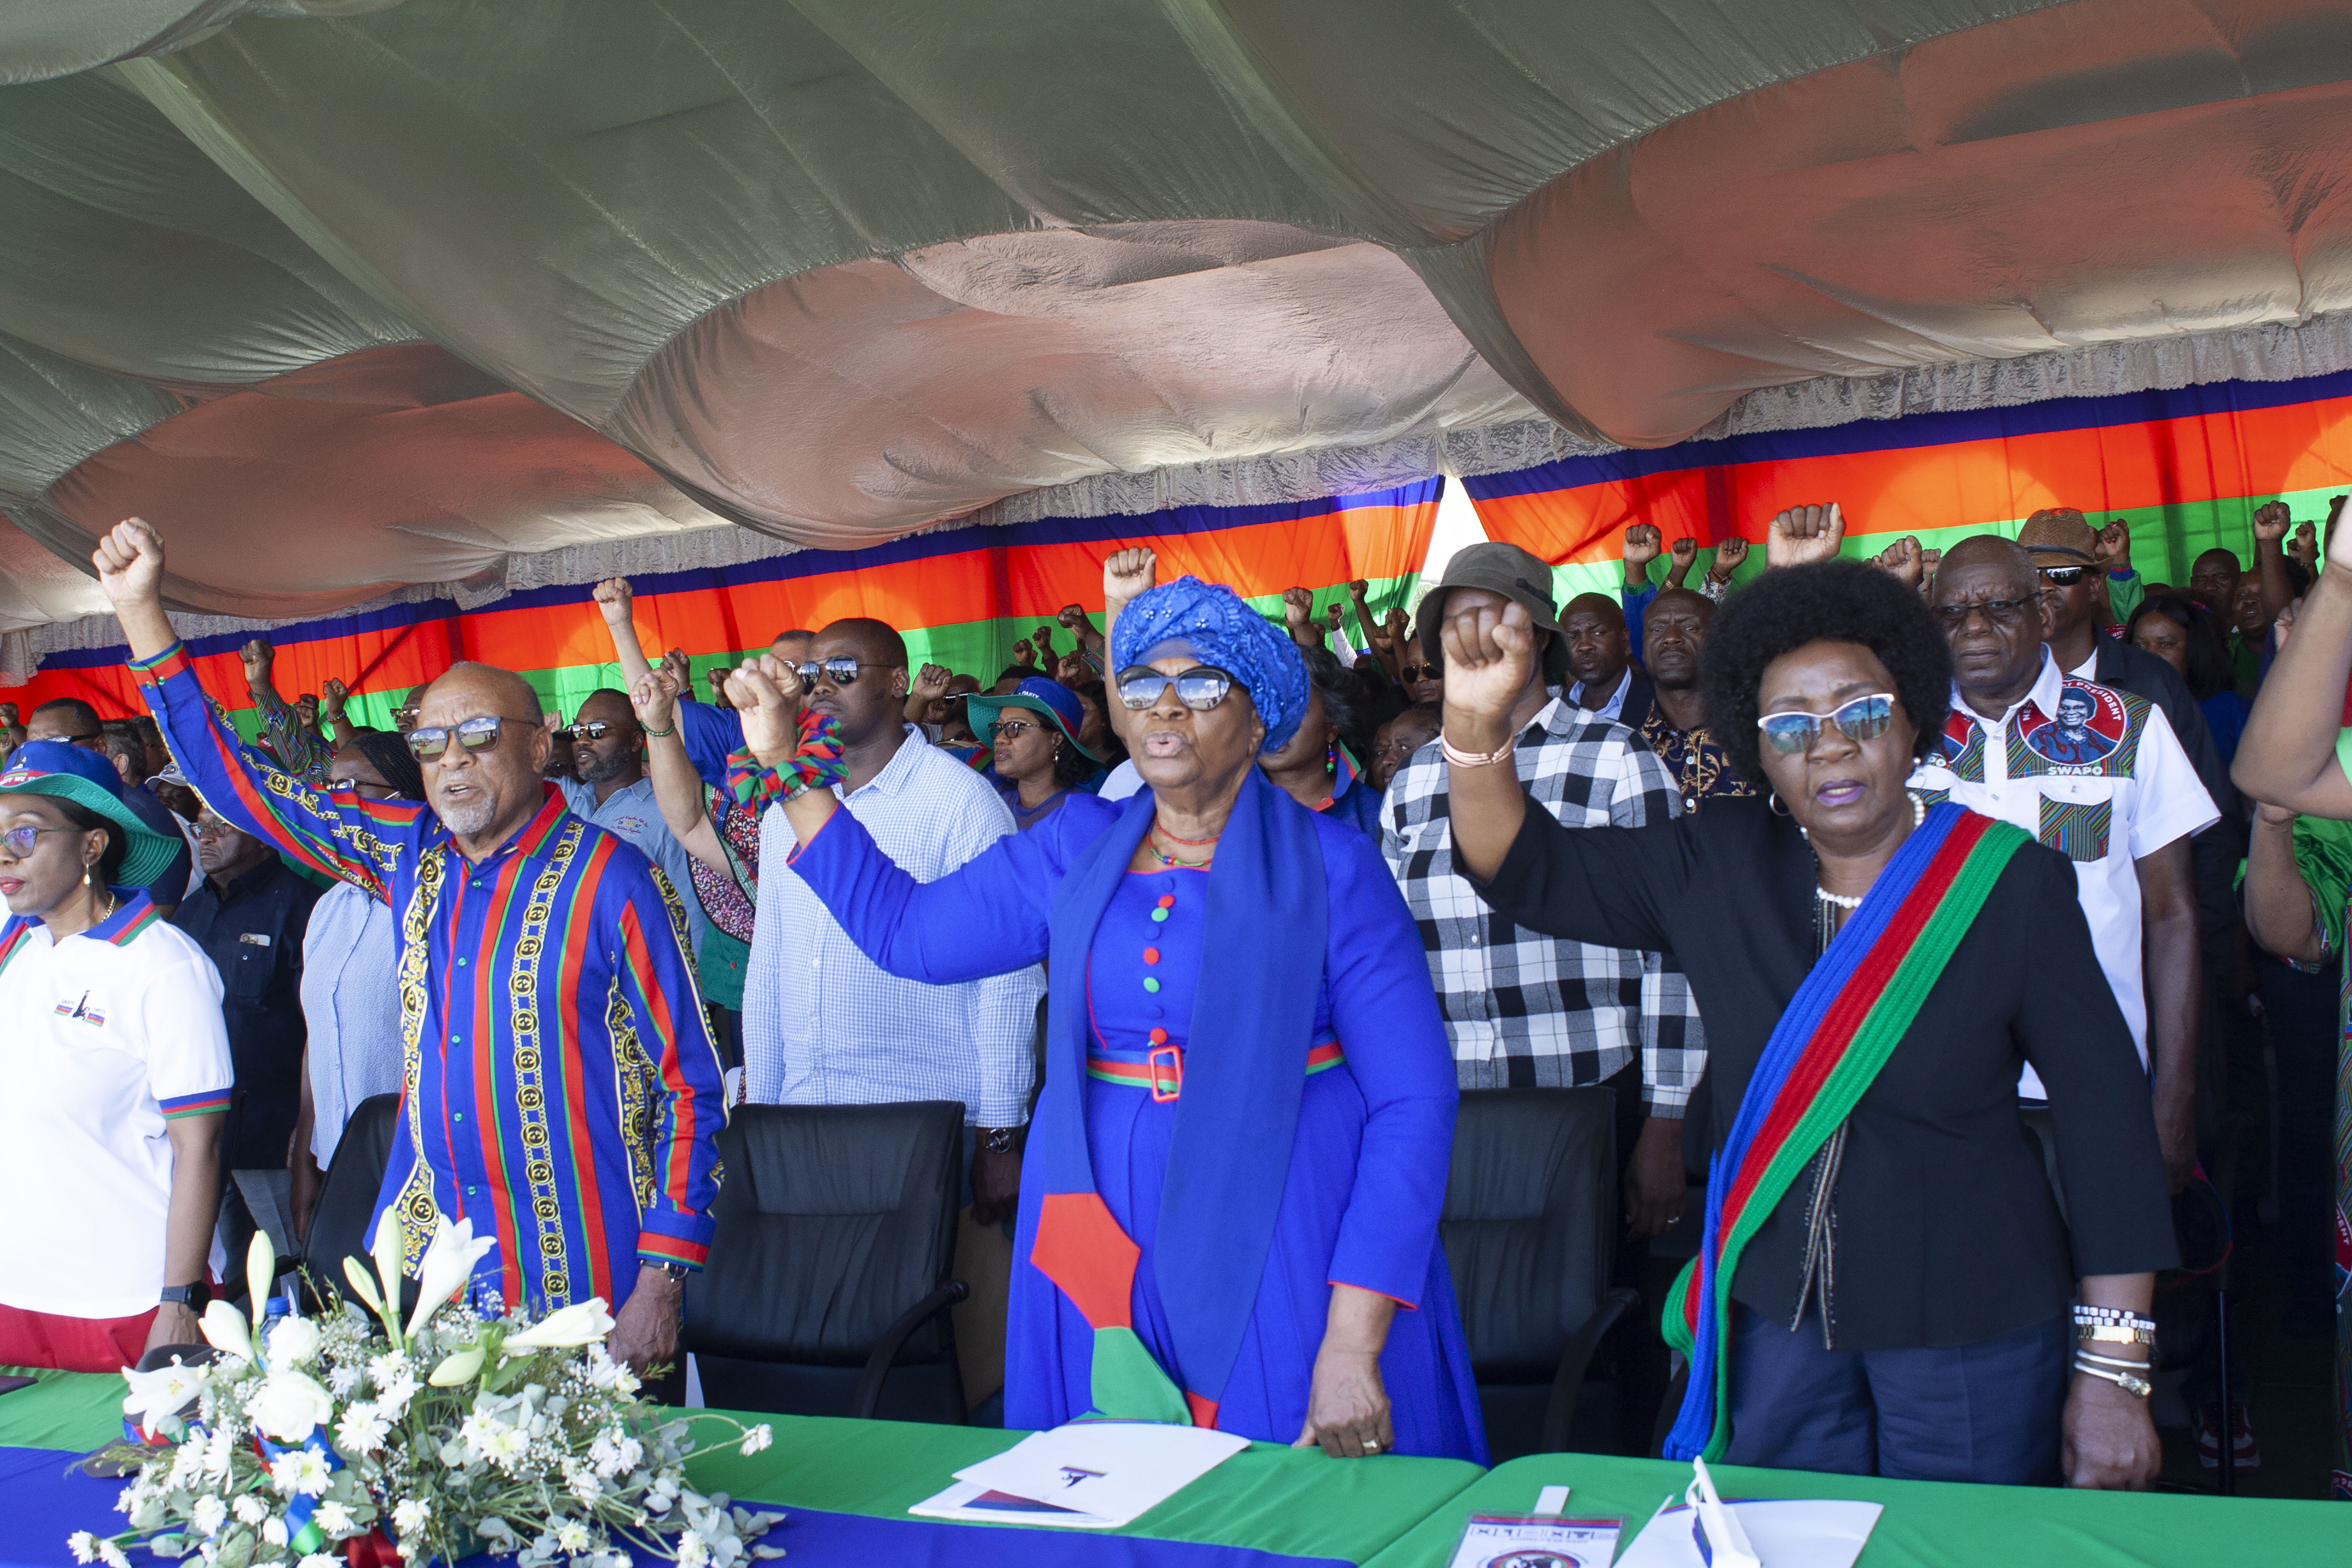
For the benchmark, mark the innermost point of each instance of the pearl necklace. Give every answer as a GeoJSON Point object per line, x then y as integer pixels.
{"type": "Point", "coordinates": [1838, 900]}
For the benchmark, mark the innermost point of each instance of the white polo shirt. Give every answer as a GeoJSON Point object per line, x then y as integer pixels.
{"type": "Point", "coordinates": [2096, 775]}
{"type": "Point", "coordinates": [104, 1037]}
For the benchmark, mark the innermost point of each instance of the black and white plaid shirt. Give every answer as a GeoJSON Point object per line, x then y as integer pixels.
{"type": "Point", "coordinates": [1525, 1009]}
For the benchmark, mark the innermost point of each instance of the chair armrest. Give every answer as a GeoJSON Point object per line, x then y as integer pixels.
{"type": "Point", "coordinates": [1560, 1412]}
{"type": "Point", "coordinates": [894, 1340]}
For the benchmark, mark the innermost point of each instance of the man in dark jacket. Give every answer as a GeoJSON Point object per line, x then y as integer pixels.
{"type": "Point", "coordinates": [249, 915]}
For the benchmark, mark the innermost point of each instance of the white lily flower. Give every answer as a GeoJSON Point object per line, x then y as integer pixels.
{"type": "Point", "coordinates": [391, 1248]}
{"type": "Point", "coordinates": [582, 1322]}
{"type": "Point", "coordinates": [448, 1264]}
{"type": "Point", "coordinates": [363, 1286]}
{"type": "Point", "coordinates": [260, 1273]}
{"type": "Point", "coordinates": [460, 1368]}
{"type": "Point", "coordinates": [226, 1331]}
{"type": "Point", "coordinates": [155, 1397]}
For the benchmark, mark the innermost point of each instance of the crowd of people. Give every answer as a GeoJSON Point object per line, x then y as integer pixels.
{"type": "Point", "coordinates": [1895, 903]}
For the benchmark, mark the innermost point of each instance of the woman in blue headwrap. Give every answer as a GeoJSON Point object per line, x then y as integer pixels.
{"type": "Point", "coordinates": [1229, 1199]}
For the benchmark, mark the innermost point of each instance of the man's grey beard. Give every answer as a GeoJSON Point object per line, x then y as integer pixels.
{"type": "Point", "coordinates": [469, 820]}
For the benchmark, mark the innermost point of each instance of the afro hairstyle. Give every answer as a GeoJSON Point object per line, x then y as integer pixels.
{"type": "Point", "coordinates": [1826, 601]}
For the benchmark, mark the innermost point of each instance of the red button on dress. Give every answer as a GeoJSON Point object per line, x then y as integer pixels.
{"type": "Point", "coordinates": [1150, 955]}
{"type": "Point", "coordinates": [1159, 1036]}
{"type": "Point", "coordinates": [1167, 900]}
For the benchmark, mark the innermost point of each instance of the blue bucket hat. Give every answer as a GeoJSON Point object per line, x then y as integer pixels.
{"type": "Point", "coordinates": [1225, 630]}
{"type": "Point", "coordinates": [68, 771]}
{"type": "Point", "coordinates": [1038, 695]}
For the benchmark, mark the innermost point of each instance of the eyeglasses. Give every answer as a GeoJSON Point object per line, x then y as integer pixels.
{"type": "Point", "coordinates": [20, 842]}
{"type": "Point", "coordinates": [1997, 611]}
{"type": "Point", "coordinates": [1008, 728]}
{"type": "Point", "coordinates": [594, 729]}
{"type": "Point", "coordinates": [1412, 672]}
{"type": "Point", "coordinates": [840, 671]}
{"type": "Point", "coordinates": [213, 827]}
{"type": "Point", "coordinates": [1864, 719]}
{"type": "Point", "coordinates": [1201, 687]}
{"type": "Point", "coordinates": [478, 734]}
{"type": "Point", "coordinates": [364, 789]}
{"type": "Point", "coordinates": [2062, 576]}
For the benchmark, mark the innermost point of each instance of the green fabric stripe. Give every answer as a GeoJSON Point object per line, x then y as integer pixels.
{"type": "Point", "coordinates": [1129, 1386]}
{"type": "Point", "coordinates": [1874, 1039]}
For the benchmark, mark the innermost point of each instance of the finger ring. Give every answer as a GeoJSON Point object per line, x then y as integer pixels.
{"type": "Point", "coordinates": [1372, 1446]}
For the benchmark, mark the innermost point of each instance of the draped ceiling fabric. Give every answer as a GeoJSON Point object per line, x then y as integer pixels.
{"type": "Point", "coordinates": [352, 296]}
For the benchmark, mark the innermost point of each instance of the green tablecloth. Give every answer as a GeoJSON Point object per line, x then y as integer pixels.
{"type": "Point", "coordinates": [1272, 1498]}
{"type": "Point", "coordinates": [1927, 1524]}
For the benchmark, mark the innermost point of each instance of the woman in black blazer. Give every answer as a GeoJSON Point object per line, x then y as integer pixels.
{"type": "Point", "coordinates": [1905, 1308]}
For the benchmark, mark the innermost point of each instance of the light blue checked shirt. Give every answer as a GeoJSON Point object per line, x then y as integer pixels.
{"type": "Point", "coordinates": [823, 1025]}
{"type": "Point", "coordinates": [350, 1002]}
{"type": "Point", "coordinates": [636, 816]}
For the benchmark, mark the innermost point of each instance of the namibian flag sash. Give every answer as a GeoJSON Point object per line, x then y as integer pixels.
{"type": "Point", "coordinates": [1839, 1029]}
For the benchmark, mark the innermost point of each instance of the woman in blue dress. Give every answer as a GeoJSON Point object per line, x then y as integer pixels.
{"type": "Point", "coordinates": [1229, 1199]}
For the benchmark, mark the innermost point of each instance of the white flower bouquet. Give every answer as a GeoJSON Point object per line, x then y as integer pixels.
{"type": "Point", "coordinates": [353, 1435]}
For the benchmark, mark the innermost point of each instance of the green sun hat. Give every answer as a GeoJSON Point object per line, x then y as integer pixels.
{"type": "Point", "coordinates": [68, 771]}
{"type": "Point", "coordinates": [1038, 695]}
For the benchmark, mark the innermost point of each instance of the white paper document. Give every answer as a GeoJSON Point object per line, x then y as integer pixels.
{"type": "Point", "coordinates": [1088, 1474]}
{"type": "Point", "coordinates": [1787, 1533]}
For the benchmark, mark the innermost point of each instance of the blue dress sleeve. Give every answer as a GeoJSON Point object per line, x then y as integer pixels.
{"type": "Point", "coordinates": [709, 734]}
{"type": "Point", "coordinates": [1637, 603]}
{"type": "Point", "coordinates": [1385, 1015]}
{"type": "Point", "coordinates": [989, 916]}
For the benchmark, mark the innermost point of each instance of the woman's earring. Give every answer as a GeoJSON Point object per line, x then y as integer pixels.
{"type": "Point", "coordinates": [1774, 804]}
{"type": "Point", "coordinates": [88, 868]}
{"type": "Point", "coordinates": [1331, 759]}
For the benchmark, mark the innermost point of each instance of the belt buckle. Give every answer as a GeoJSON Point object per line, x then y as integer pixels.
{"type": "Point", "coordinates": [1175, 1056]}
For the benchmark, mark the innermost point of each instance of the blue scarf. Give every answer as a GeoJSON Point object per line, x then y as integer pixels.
{"type": "Point", "coordinates": [1244, 1072]}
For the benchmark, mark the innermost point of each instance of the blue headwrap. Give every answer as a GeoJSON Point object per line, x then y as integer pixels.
{"type": "Point", "coordinates": [1223, 630]}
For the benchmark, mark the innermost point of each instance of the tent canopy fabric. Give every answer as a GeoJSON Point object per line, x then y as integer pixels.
{"type": "Point", "coordinates": [347, 295]}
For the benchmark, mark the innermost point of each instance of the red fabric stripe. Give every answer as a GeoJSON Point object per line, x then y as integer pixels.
{"type": "Point", "coordinates": [679, 1163]}
{"type": "Point", "coordinates": [480, 1031]}
{"type": "Point", "coordinates": [1204, 1410]}
{"type": "Point", "coordinates": [1081, 1249]}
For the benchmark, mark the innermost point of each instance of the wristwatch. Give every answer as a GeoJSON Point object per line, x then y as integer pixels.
{"type": "Point", "coordinates": [677, 1271]}
{"type": "Point", "coordinates": [998, 1140]}
{"type": "Point", "coordinates": [192, 1297]}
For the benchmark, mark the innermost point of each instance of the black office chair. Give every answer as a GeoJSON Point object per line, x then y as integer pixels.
{"type": "Point", "coordinates": [1529, 1231]}
{"type": "Point", "coordinates": [346, 1205]}
{"type": "Point", "coordinates": [827, 1290]}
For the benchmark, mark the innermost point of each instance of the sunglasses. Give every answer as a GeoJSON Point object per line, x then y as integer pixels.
{"type": "Point", "coordinates": [1997, 611]}
{"type": "Point", "coordinates": [840, 671]}
{"type": "Point", "coordinates": [1007, 728]}
{"type": "Point", "coordinates": [1412, 672]}
{"type": "Point", "coordinates": [1864, 719]}
{"type": "Point", "coordinates": [2062, 576]}
{"type": "Point", "coordinates": [594, 729]}
{"type": "Point", "coordinates": [1201, 687]}
{"type": "Point", "coordinates": [479, 734]}
{"type": "Point", "coordinates": [364, 789]}
{"type": "Point", "coordinates": [20, 842]}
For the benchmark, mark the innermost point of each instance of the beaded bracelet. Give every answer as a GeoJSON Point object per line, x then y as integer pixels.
{"type": "Point", "coordinates": [818, 763]}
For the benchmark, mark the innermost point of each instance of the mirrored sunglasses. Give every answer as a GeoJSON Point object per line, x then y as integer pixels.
{"type": "Point", "coordinates": [2062, 576]}
{"type": "Point", "coordinates": [594, 729]}
{"type": "Point", "coordinates": [1201, 687]}
{"type": "Point", "coordinates": [1864, 719]}
{"type": "Point", "coordinates": [840, 671]}
{"type": "Point", "coordinates": [476, 734]}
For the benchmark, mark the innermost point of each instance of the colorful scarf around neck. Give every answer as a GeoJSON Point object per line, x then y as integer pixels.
{"type": "Point", "coordinates": [1839, 1029]}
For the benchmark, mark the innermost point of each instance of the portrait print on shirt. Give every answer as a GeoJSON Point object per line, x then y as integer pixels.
{"type": "Point", "coordinates": [2095, 732]}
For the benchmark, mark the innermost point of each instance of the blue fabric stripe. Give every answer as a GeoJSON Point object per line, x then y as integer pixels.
{"type": "Point", "coordinates": [1913, 430]}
